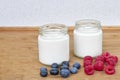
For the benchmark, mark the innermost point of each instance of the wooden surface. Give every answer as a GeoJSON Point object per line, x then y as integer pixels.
{"type": "Point", "coordinates": [19, 55]}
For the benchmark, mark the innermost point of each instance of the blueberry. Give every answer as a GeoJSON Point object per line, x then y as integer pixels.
{"type": "Point", "coordinates": [65, 63]}
{"type": "Point", "coordinates": [73, 70]}
{"type": "Point", "coordinates": [64, 67]}
{"type": "Point", "coordinates": [54, 65]}
{"type": "Point", "coordinates": [64, 73]}
{"type": "Point", "coordinates": [54, 71]}
{"type": "Point", "coordinates": [77, 65]}
{"type": "Point", "coordinates": [43, 74]}
{"type": "Point", "coordinates": [43, 69]}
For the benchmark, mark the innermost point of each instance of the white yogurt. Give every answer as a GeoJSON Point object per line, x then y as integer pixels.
{"type": "Point", "coordinates": [54, 48]}
{"type": "Point", "coordinates": [87, 41]}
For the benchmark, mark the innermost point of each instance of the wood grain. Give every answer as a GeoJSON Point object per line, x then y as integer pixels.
{"type": "Point", "coordinates": [19, 55]}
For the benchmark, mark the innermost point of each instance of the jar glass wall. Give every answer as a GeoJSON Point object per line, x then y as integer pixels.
{"type": "Point", "coordinates": [53, 44]}
{"type": "Point", "coordinates": [87, 38]}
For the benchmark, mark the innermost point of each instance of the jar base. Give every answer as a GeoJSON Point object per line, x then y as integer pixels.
{"type": "Point", "coordinates": [48, 64]}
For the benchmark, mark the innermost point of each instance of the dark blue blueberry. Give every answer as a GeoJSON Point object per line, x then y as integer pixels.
{"type": "Point", "coordinates": [43, 74]}
{"type": "Point", "coordinates": [54, 65]}
{"type": "Point", "coordinates": [77, 65]}
{"type": "Point", "coordinates": [43, 69]}
{"type": "Point", "coordinates": [65, 63]}
{"type": "Point", "coordinates": [64, 73]}
{"type": "Point", "coordinates": [73, 70]}
{"type": "Point", "coordinates": [54, 71]}
{"type": "Point", "coordinates": [64, 67]}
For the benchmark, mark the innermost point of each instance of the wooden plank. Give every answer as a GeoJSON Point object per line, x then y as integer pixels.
{"type": "Point", "coordinates": [36, 28]}
{"type": "Point", "coordinates": [19, 55]}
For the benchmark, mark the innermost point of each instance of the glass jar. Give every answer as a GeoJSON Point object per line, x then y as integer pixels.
{"type": "Point", "coordinates": [87, 38]}
{"type": "Point", "coordinates": [53, 44]}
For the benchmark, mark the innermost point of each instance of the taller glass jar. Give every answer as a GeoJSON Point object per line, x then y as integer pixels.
{"type": "Point", "coordinates": [53, 44]}
{"type": "Point", "coordinates": [87, 38]}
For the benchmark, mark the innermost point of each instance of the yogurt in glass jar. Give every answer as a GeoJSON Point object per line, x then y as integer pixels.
{"type": "Point", "coordinates": [53, 44]}
{"type": "Point", "coordinates": [87, 38]}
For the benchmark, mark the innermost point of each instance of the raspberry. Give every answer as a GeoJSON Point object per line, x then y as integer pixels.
{"type": "Point", "coordinates": [88, 58]}
{"type": "Point", "coordinates": [100, 58]}
{"type": "Point", "coordinates": [99, 65]}
{"type": "Point", "coordinates": [87, 62]}
{"type": "Point", "coordinates": [109, 70]}
{"type": "Point", "coordinates": [105, 55]}
{"type": "Point", "coordinates": [115, 58]}
{"type": "Point", "coordinates": [89, 70]}
{"type": "Point", "coordinates": [110, 61]}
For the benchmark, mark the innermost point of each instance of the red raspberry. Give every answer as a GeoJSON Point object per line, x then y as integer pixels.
{"type": "Point", "coordinates": [88, 58]}
{"type": "Point", "coordinates": [111, 61]}
{"type": "Point", "coordinates": [99, 65]}
{"type": "Point", "coordinates": [105, 55]}
{"type": "Point", "coordinates": [100, 58]}
{"type": "Point", "coordinates": [109, 70]}
{"type": "Point", "coordinates": [89, 70]}
{"type": "Point", "coordinates": [87, 62]}
{"type": "Point", "coordinates": [115, 58]}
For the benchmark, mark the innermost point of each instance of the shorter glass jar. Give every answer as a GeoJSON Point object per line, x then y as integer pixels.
{"type": "Point", "coordinates": [53, 44]}
{"type": "Point", "coordinates": [87, 38]}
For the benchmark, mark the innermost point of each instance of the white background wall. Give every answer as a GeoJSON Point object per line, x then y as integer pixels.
{"type": "Point", "coordinates": [39, 12]}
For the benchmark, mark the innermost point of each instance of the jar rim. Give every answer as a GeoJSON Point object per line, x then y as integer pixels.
{"type": "Point", "coordinates": [87, 21]}
{"type": "Point", "coordinates": [53, 27]}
